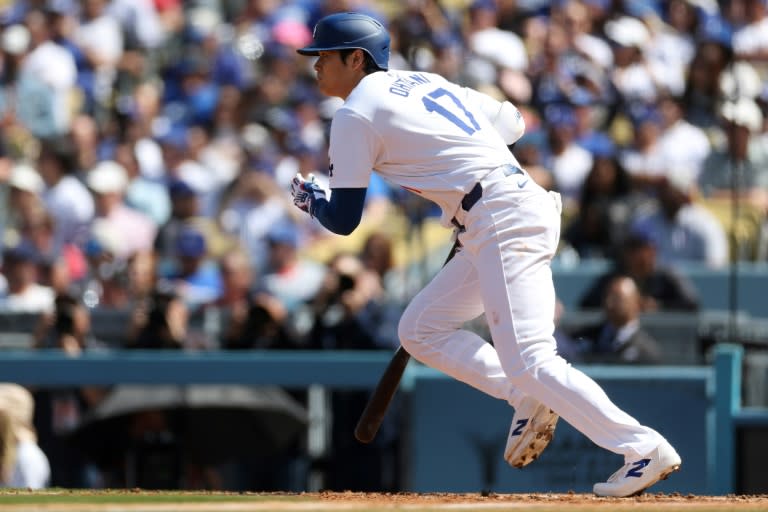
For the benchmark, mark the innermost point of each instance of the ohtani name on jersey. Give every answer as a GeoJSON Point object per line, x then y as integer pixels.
{"type": "Point", "coordinates": [403, 85]}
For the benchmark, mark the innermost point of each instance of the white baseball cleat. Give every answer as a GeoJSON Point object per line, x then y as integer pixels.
{"type": "Point", "coordinates": [533, 427]}
{"type": "Point", "coordinates": [636, 476]}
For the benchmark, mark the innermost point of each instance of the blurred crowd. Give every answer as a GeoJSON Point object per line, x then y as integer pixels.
{"type": "Point", "coordinates": [146, 147]}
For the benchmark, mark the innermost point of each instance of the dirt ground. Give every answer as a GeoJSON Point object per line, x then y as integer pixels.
{"type": "Point", "coordinates": [141, 501]}
{"type": "Point", "coordinates": [554, 500]}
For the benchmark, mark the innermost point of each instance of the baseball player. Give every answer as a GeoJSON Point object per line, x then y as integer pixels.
{"type": "Point", "coordinates": [449, 144]}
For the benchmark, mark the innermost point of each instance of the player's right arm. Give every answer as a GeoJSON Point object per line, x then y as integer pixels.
{"type": "Point", "coordinates": [342, 213]}
{"type": "Point", "coordinates": [350, 171]}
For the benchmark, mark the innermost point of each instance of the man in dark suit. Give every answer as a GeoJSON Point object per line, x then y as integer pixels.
{"type": "Point", "coordinates": [618, 338]}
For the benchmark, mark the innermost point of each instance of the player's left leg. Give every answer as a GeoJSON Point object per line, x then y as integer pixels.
{"type": "Point", "coordinates": [511, 245]}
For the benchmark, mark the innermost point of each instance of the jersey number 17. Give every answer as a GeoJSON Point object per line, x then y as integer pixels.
{"type": "Point", "coordinates": [456, 113]}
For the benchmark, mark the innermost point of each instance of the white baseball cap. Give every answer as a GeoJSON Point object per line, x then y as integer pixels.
{"type": "Point", "coordinates": [15, 40]}
{"type": "Point", "coordinates": [628, 31]}
{"type": "Point", "coordinates": [743, 112]}
{"type": "Point", "coordinates": [107, 177]}
{"type": "Point", "coordinates": [741, 80]}
{"type": "Point", "coordinates": [26, 178]}
{"type": "Point", "coordinates": [103, 238]}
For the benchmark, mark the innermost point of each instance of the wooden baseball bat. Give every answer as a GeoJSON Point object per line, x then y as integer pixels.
{"type": "Point", "coordinates": [378, 403]}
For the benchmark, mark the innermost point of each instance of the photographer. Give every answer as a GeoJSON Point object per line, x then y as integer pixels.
{"type": "Point", "coordinates": [351, 312]}
{"type": "Point", "coordinates": [160, 322]}
{"type": "Point", "coordinates": [59, 411]}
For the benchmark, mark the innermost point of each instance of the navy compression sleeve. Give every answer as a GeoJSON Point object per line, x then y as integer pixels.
{"type": "Point", "coordinates": [343, 212]}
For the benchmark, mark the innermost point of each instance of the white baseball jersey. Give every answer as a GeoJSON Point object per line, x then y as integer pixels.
{"type": "Point", "coordinates": [421, 132]}
{"type": "Point", "coordinates": [439, 139]}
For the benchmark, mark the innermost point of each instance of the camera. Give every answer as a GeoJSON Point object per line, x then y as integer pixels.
{"type": "Point", "coordinates": [346, 282]}
{"type": "Point", "coordinates": [64, 321]}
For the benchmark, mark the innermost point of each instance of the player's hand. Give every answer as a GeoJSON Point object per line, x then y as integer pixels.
{"type": "Point", "coordinates": [306, 192]}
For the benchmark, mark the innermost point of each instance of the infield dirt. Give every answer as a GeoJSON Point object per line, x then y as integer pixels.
{"type": "Point", "coordinates": [149, 501]}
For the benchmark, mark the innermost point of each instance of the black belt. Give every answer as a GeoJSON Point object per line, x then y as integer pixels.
{"type": "Point", "coordinates": [473, 196]}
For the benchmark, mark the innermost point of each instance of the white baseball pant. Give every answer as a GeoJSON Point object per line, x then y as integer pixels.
{"type": "Point", "coordinates": [510, 237]}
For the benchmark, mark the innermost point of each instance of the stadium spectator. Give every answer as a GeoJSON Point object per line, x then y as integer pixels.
{"type": "Point", "coordinates": [377, 254]}
{"type": "Point", "coordinates": [631, 74]}
{"type": "Point", "coordinates": [185, 206]}
{"type": "Point", "coordinates": [160, 322]}
{"type": "Point", "coordinates": [65, 196]}
{"type": "Point", "coordinates": [424, 34]}
{"type": "Point", "coordinates": [750, 39]}
{"type": "Point", "coordinates": [672, 43]}
{"type": "Point", "coordinates": [142, 275]}
{"type": "Point", "coordinates": [47, 80]}
{"type": "Point", "coordinates": [683, 146]}
{"type": "Point", "coordinates": [291, 277]}
{"type": "Point", "coordinates": [195, 277]}
{"type": "Point", "coordinates": [350, 311]}
{"type": "Point", "coordinates": [65, 264]}
{"type": "Point", "coordinates": [529, 151]}
{"type": "Point", "coordinates": [25, 186]}
{"type": "Point", "coordinates": [60, 410]}
{"type": "Point", "coordinates": [147, 196]}
{"type": "Point", "coordinates": [140, 23]}
{"type": "Point", "coordinates": [712, 55]}
{"type": "Point", "coordinates": [684, 231]}
{"type": "Point", "coordinates": [140, 120]}
{"type": "Point", "coordinates": [99, 44]}
{"type": "Point", "coordinates": [108, 182]}
{"type": "Point", "coordinates": [619, 337]}
{"type": "Point", "coordinates": [643, 158]}
{"type": "Point", "coordinates": [249, 211]}
{"type": "Point", "coordinates": [502, 55]}
{"type": "Point", "coordinates": [23, 293]}
{"type": "Point", "coordinates": [14, 45]}
{"type": "Point", "coordinates": [179, 164]}
{"type": "Point", "coordinates": [579, 28]}
{"type": "Point", "coordinates": [549, 64]}
{"type": "Point", "coordinates": [591, 117]}
{"type": "Point", "coordinates": [105, 284]}
{"type": "Point", "coordinates": [570, 163]}
{"type": "Point", "coordinates": [185, 213]}
{"type": "Point", "coordinates": [607, 204]}
{"type": "Point", "coordinates": [254, 318]}
{"type": "Point", "coordinates": [89, 144]}
{"type": "Point", "coordinates": [745, 153]}
{"type": "Point", "coordinates": [68, 328]}
{"type": "Point", "coordinates": [215, 146]}
{"type": "Point", "coordinates": [23, 464]}
{"type": "Point", "coordinates": [662, 288]}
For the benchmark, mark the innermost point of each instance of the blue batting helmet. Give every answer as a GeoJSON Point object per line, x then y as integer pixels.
{"type": "Point", "coordinates": [350, 30]}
